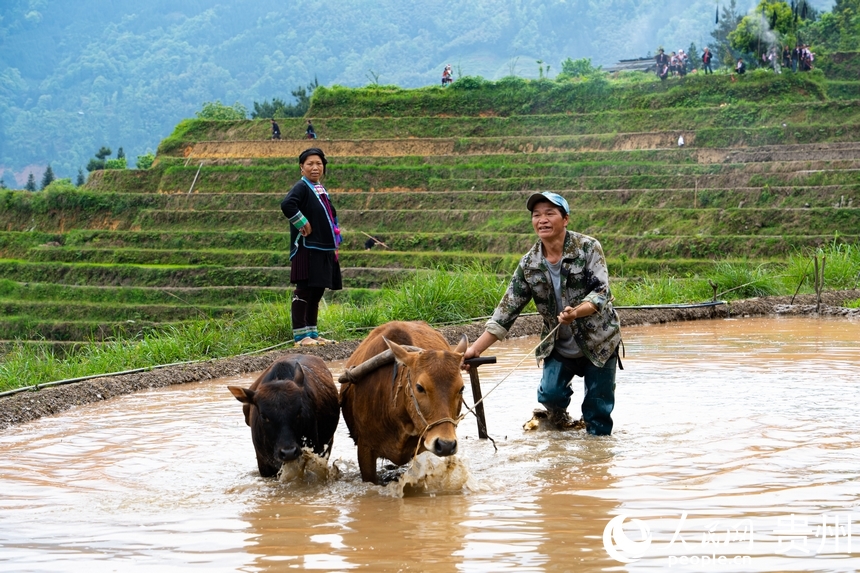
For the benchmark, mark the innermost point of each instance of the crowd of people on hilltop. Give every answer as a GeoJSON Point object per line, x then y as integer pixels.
{"type": "Point", "coordinates": [679, 64]}
{"type": "Point", "coordinates": [676, 64]}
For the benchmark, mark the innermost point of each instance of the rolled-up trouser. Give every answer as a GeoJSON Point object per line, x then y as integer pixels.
{"type": "Point", "coordinates": [599, 401]}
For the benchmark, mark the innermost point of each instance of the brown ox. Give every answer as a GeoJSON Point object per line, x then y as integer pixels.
{"type": "Point", "coordinates": [418, 397]}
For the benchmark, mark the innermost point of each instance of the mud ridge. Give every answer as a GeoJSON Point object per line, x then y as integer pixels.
{"type": "Point", "coordinates": [28, 406]}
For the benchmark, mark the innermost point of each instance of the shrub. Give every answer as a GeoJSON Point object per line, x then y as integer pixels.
{"type": "Point", "coordinates": [217, 110]}
{"type": "Point", "coordinates": [145, 161]}
{"type": "Point", "coordinates": [120, 163]}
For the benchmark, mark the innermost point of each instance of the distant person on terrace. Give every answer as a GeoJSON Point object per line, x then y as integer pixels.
{"type": "Point", "coordinates": [565, 273]}
{"type": "Point", "coordinates": [706, 61]}
{"type": "Point", "coordinates": [309, 132]}
{"type": "Point", "coordinates": [276, 130]}
{"type": "Point", "coordinates": [741, 67]}
{"type": "Point", "coordinates": [662, 62]}
{"type": "Point", "coordinates": [447, 77]}
{"type": "Point", "coordinates": [314, 241]}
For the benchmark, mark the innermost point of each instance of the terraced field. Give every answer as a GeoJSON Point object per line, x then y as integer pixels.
{"type": "Point", "coordinates": [771, 165]}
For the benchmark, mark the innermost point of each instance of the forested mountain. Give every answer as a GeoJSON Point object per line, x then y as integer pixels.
{"type": "Point", "coordinates": [76, 76]}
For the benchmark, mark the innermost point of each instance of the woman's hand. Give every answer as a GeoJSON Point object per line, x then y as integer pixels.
{"type": "Point", "coordinates": [306, 230]}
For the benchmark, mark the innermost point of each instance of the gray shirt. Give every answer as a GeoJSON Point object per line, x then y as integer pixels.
{"type": "Point", "coordinates": [564, 343]}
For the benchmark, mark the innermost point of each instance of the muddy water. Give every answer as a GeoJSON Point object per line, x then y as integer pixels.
{"type": "Point", "coordinates": [735, 449]}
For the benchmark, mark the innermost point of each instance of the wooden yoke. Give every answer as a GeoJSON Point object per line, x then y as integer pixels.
{"type": "Point", "coordinates": [355, 373]}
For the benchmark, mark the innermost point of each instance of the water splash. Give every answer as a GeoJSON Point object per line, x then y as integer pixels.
{"type": "Point", "coordinates": [308, 468]}
{"type": "Point", "coordinates": [429, 473]}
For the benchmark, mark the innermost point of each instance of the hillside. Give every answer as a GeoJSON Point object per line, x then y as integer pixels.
{"type": "Point", "coordinates": [769, 168]}
{"type": "Point", "coordinates": [75, 76]}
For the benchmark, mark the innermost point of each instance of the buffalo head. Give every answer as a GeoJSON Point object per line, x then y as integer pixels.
{"type": "Point", "coordinates": [433, 388]}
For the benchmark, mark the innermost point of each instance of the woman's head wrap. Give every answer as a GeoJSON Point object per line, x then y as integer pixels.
{"type": "Point", "coordinates": [313, 151]}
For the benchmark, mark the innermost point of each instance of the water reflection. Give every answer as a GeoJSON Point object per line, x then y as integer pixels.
{"type": "Point", "coordinates": [718, 424]}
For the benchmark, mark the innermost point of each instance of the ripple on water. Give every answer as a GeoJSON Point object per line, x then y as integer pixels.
{"type": "Point", "coordinates": [721, 421]}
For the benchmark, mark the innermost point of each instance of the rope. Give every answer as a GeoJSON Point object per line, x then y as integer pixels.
{"type": "Point", "coordinates": [551, 332]}
{"type": "Point", "coordinates": [517, 365]}
{"type": "Point", "coordinates": [407, 381]}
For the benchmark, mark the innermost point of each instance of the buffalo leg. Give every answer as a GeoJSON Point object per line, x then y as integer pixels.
{"type": "Point", "coordinates": [367, 464]}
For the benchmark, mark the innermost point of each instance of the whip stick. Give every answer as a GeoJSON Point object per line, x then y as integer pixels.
{"type": "Point", "coordinates": [476, 392]}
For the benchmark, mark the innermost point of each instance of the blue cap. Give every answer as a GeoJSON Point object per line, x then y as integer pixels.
{"type": "Point", "coordinates": [553, 198]}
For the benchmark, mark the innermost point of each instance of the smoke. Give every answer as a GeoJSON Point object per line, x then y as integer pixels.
{"type": "Point", "coordinates": [769, 38]}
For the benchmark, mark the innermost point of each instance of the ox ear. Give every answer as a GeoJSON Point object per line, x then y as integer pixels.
{"type": "Point", "coordinates": [242, 394]}
{"type": "Point", "coordinates": [402, 355]}
{"type": "Point", "coordinates": [299, 376]}
{"type": "Point", "coordinates": [462, 345]}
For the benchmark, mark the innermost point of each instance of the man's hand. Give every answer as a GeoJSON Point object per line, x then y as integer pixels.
{"type": "Point", "coordinates": [568, 315]}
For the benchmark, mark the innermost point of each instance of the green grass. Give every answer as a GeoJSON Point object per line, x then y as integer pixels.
{"type": "Point", "coordinates": [437, 296]}
{"type": "Point", "coordinates": [739, 115]}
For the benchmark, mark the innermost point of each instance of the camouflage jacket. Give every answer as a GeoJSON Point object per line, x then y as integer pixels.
{"type": "Point", "coordinates": [585, 277]}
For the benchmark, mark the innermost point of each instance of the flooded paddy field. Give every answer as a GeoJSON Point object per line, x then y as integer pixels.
{"type": "Point", "coordinates": [735, 449]}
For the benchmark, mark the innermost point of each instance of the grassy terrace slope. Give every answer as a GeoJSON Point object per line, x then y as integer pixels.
{"type": "Point", "coordinates": [771, 166]}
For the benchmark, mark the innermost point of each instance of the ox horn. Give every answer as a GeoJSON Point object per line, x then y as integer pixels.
{"type": "Point", "coordinates": [462, 345]}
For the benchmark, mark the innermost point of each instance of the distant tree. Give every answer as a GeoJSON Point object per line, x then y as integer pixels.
{"type": "Point", "coordinates": [31, 182]}
{"type": "Point", "coordinates": [99, 162]}
{"type": "Point", "coordinates": [371, 75]}
{"type": "Point", "coordinates": [279, 108]}
{"type": "Point", "coordinates": [721, 47]}
{"type": "Point", "coordinates": [2, 183]}
{"type": "Point", "coordinates": [217, 110]}
{"type": "Point", "coordinates": [693, 54]}
{"type": "Point", "coordinates": [60, 185]}
{"type": "Point", "coordinates": [145, 161]}
{"type": "Point", "coordinates": [765, 27]}
{"type": "Point", "coordinates": [578, 68]}
{"type": "Point", "coordinates": [81, 179]}
{"type": "Point", "coordinates": [120, 154]}
{"type": "Point", "coordinates": [267, 110]}
{"type": "Point", "coordinates": [116, 164]}
{"type": "Point", "coordinates": [47, 177]}
{"type": "Point", "coordinates": [838, 30]}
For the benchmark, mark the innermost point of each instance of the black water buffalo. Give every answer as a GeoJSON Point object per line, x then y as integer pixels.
{"type": "Point", "coordinates": [293, 404]}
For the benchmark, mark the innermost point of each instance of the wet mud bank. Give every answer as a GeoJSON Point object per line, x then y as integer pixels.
{"type": "Point", "coordinates": [27, 406]}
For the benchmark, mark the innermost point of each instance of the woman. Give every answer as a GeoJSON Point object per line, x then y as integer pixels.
{"type": "Point", "coordinates": [314, 240]}
{"type": "Point", "coordinates": [565, 274]}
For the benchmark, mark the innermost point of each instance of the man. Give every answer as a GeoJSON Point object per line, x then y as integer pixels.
{"type": "Point", "coordinates": [662, 61]}
{"type": "Point", "coordinates": [276, 131]}
{"type": "Point", "coordinates": [565, 274]}
{"type": "Point", "coordinates": [706, 61]}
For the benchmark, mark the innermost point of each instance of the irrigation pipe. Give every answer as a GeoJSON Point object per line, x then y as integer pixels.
{"type": "Point", "coordinates": [160, 366]}
{"type": "Point", "coordinates": [132, 371]}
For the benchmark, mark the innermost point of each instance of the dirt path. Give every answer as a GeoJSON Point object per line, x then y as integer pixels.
{"type": "Point", "coordinates": [27, 406]}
